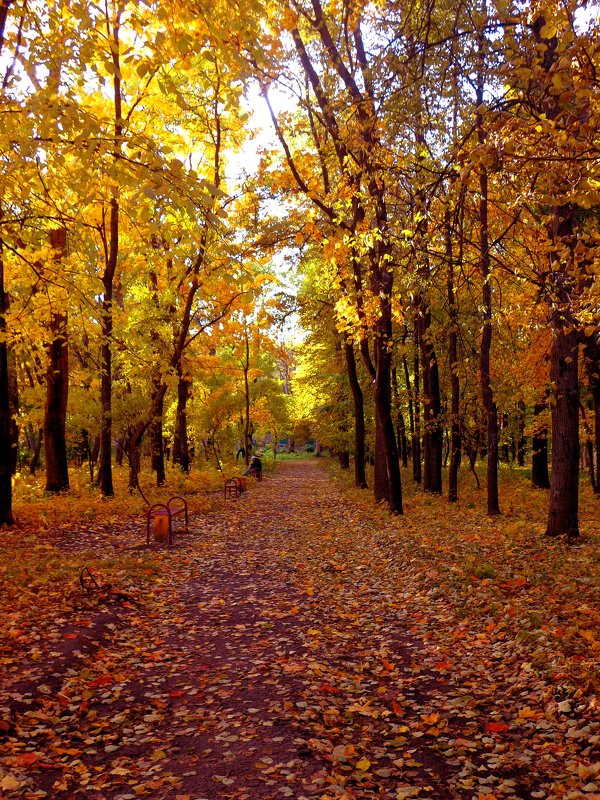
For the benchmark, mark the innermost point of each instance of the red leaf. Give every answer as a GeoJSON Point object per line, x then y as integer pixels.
{"type": "Point", "coordinates": [327, 687]}
{"type": "Point", "coordinates": [496, 727]}
{"type": "Point", "coordinates": [101, 680]}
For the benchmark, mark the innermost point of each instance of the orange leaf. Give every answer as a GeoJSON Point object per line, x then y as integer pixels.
{"type": "Point", "coordinates": [26, 759]}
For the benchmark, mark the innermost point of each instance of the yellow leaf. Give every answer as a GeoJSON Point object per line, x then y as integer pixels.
{"type": "Point", "coordinates": [10, 783]}
{"type": "Point", "coordinates": [527, 713]}
{"type": "Point", "coordinates": [158, 755]}
{"type": "Point", "coordinates": [363, 764]}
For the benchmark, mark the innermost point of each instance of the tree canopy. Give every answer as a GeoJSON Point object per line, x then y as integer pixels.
{"type": "Point", "coordinates": [432, 171]}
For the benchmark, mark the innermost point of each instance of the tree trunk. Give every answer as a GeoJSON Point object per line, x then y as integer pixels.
{"type": "Point", "coordinates": [360, 476]}
{"type": "Point", "coordinates": [247, 400]}
{"type": "Point", "coordinates": [383, 413]}
{"type": "Point", "coordinates": [36, 451]}
{"type": "Point", "coordinates": [521, 440]}
{"type": "Point", "coordinates": [455, 436]}
{"type": "Point", "coordinates": [504, 449]}
{"type": "Point", "coordinates": [402, 443]}
{"type": "Point", "coordinates": [158, 445]}
{"type": "Point", "coordinates": [181, 454]}
{"type": "Point", "coordinates": [13, 395]}
{"type": "Point", "coordinates": [540, 478]}
{"type": "Point", "coordinates": [564, 484]}
{"type": "Point", "coordinates": [108, 278]}
{"type": "Point", "coordinates": [134, 454]}
{"type": "Point", "coordinates": [6, 514]}
{"type": "Point", "coordinates": [597, 442]}
{"type": "Point", "coordinates": [344, 459]}
{"type": "Point", "coordinates": [411, 416]}
{"type": "Point", "coordinates": [400, 426]}
{"type": "Point", "coordinates": [432, 407]}
{"type": "Point", "coordinates": [416, 439]}
{"type": "Point", "coordinates": [57, 390]}
{"type": "Point", "coordinates": [487, 395]}
{"type": "Point", "coordinates": [592, 359]}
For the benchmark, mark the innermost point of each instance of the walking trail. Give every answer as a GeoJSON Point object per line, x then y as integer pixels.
{"type": "Point", "coordinates": [287, 651]}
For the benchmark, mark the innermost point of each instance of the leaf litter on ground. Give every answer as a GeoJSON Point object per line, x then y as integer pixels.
{"type": "Point", "coordinates": [300, 642]}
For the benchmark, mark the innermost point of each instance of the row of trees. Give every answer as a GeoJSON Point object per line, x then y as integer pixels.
{"type": "Point", "coordinates": [446, 159]}
{"type": "Point", "coordinates": [131, 270]}
{"type": "Point", "coordinates": [436, 167]}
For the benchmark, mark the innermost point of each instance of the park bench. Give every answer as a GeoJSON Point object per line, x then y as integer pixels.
{"type": "Point", "coordinates": [162, 516]}
{"type": "Point", "coordinates": [234, 487]}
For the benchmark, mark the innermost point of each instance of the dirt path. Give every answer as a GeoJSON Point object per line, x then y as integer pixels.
{"type": "Point", "coordinates": [284, 654]}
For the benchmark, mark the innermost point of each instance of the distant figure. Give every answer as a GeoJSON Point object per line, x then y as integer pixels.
{"type": "Point", "coordinates": [255, 468]}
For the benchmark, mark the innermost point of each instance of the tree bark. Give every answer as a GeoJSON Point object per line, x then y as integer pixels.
{"type": "Point", "coordinates": [360, 476]}
{"type": "Point", "coordinates": [416, 439]}
{"type": "Point", "coordinates": [564, 484]}
{"type": "Point", "coordinates": [6, 514]}
{"type": "Point", "coordinates": [158, 445]}
{"type": "Point", "coordinates": [36, 450]}
{"type": "Point", "coordinates": [247, 441]}
{"type": "Point", "coordinates": [344, 459]}
{"type": "Point", "coordinates": [134, 453]}
{"type": "Point", "coordinates": [521, 439]}
{"type": "Point", "coordinates": [592, 360]}
{"type": "Point", "coordinates": [540, 477]}
{"type": "Point", "coordinates": [108, 278]}
{"type": "Point", "coordinates": [455, 435]}
{"type": "Point", "coordinates": [487, 394]}
{"type": "Point", "coordinates": [181, 454]}
{"type": "Point", "coordinates": [57, 391]}
{"type": "Point", "coordinates": [432, 427]}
